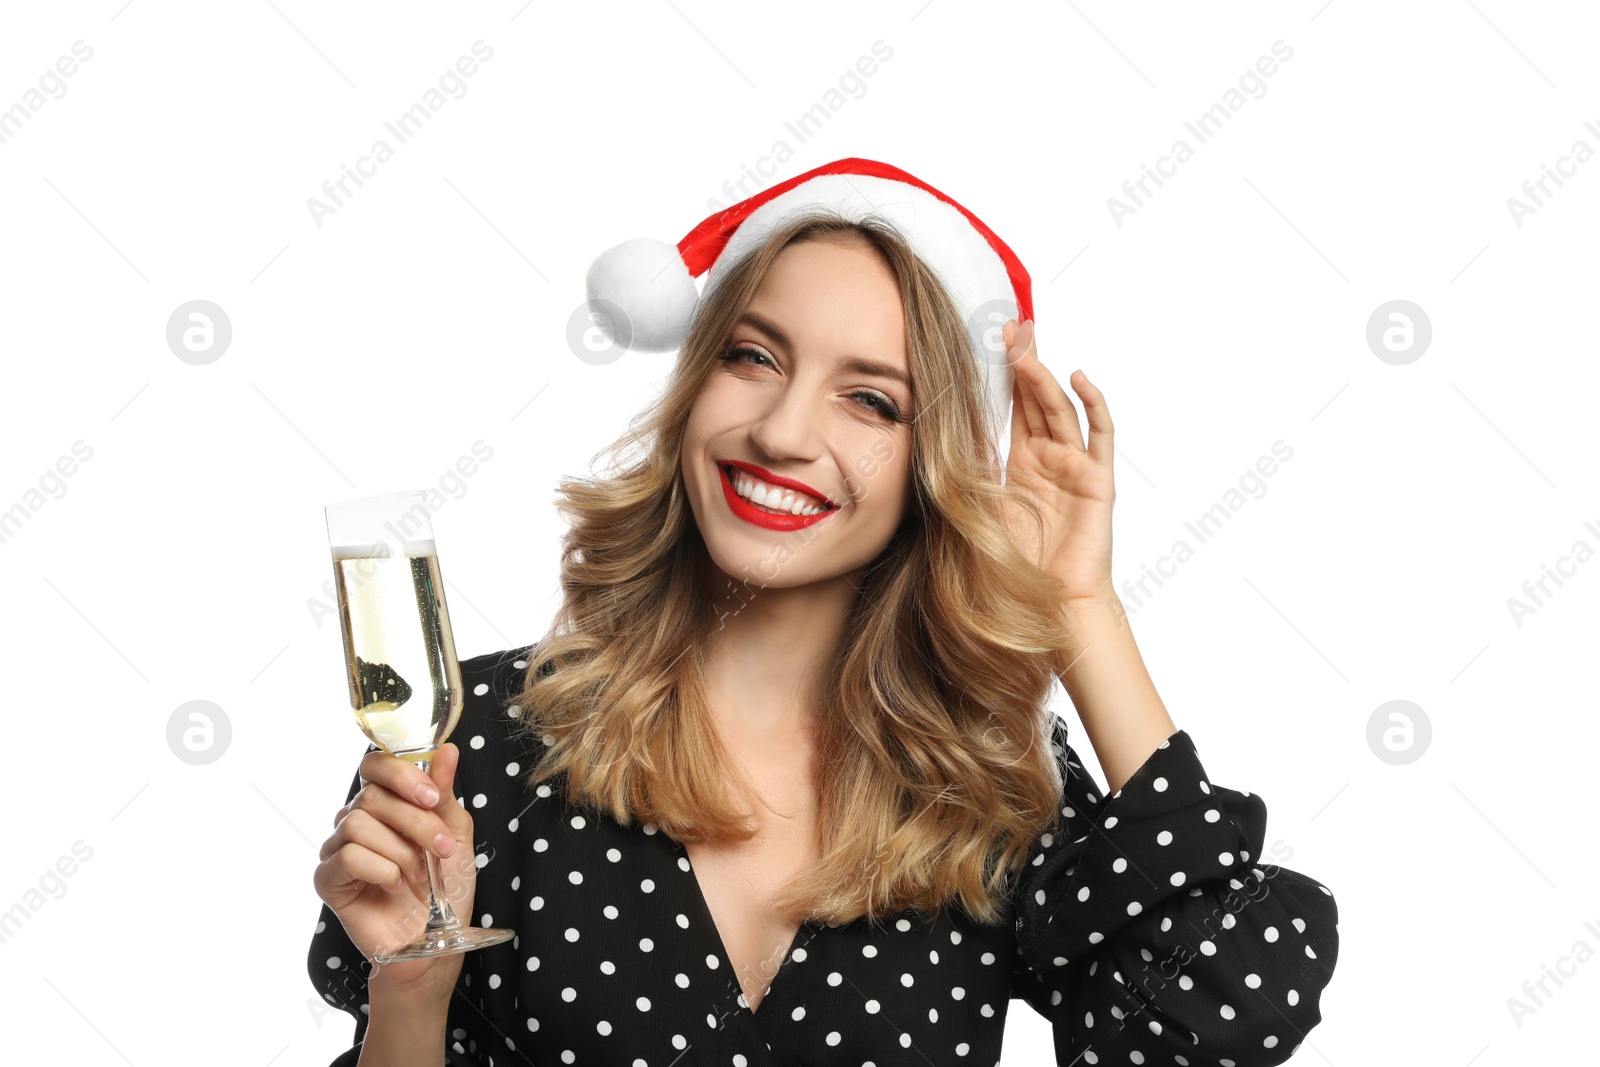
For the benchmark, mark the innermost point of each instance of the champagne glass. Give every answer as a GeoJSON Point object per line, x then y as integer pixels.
{"type": "Point", "coordinates": [400, 657]}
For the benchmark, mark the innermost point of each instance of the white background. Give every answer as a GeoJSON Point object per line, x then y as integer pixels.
{"type": "Point", "coordinates": [184, 560]}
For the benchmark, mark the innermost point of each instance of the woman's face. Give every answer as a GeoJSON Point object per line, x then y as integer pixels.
{"type": "Point", "coordinates": [814, 387]}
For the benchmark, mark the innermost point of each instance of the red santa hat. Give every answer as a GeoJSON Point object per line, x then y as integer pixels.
{"type": "Point", "coordinates": [652, 283]}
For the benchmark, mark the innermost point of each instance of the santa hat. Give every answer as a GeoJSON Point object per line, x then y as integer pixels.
{"type": "Point", "coordinates": [651, 283]}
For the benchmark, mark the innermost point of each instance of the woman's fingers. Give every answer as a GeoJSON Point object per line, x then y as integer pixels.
{"type": "Point", "coordinates": [383, 837]}
{"type": "Point", "coordinates": [1019, 344]}
{"type": "Point", "coordinates": [363, 828]}
{"type": "Point", "coordinates": [401, 777]}
{"type": "Point", "coordinates": [419, 826]}
{"type": "Point", "coordinates": [1101, 430]}
{"type": "Point", "coordinates": [353, 866]}
{"type": "Point", "coordinates": [457, 820]}
{"type": "Point", "coordinates": [1050, 411]}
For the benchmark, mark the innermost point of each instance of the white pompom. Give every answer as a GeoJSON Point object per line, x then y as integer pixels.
{"type": "Point", "coordinates": [649, 282]}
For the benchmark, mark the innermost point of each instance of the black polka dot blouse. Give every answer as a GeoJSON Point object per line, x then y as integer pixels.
{"type": "Point", "coordinates": [1151, 931]}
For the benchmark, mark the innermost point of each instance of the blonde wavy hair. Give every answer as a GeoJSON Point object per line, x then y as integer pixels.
{"type": "Point", "coordinates": [934, 770]}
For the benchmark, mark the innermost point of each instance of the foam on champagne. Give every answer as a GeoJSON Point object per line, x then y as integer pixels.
{"type": "Point", "coordinates": [380, 549]}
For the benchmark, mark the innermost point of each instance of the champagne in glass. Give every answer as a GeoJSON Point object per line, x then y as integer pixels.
{"type": "Point", "coordinates": [405, 682]}
{"type": "Point", "coordinates": [400, 659]}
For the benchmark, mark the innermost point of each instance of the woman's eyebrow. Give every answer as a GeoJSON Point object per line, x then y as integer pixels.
{"type": "Point", "coordinates": [857, 364]}
{"type": "Point", "coordinates": [877, 370]}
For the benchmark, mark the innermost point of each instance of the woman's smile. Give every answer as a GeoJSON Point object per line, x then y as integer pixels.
{"type": "Point", "coordinates": [769, 506]}
{"type": "Point", "coordinates": [748, 477]}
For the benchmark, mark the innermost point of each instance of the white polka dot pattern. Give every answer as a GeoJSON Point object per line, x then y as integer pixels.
{"type": "Point", "coordinates": [1153, 929]}
{"type": "Point", "coordinates": [618, 961]}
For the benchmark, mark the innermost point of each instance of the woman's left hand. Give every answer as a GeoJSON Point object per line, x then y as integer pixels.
{"type": "Point", "coordinates": [1071, 484]}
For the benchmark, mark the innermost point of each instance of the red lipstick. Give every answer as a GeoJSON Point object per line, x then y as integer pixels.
{"type": "Point", "coordinates": [768, 519]}
{"type": "Point", "coordinates": [778, 480]}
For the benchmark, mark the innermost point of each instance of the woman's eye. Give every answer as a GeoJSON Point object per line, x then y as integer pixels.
{"type": "Point", "coordinates": [737, 353]}
{"type": "Point", "coordinates": [878, 403]}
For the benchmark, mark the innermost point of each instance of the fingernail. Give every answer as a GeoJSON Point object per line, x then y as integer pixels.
{"type": "Point", "coordinates": [444, 844]}
{"type": "Point", "coordinates": [427, 795]}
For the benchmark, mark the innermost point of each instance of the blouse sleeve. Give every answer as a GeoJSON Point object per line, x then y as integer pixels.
{"type": "Point", "coordinates": [339, 974]}
{"type": "Point", "coordinates": [1150, 929]}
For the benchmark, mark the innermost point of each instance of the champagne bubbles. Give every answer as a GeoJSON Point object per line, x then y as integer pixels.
{"type": "Point", "coordinates": [199, 332]}
{"type": "Point", "coordinates": [198, 732]}
{"type": "Point", "coordinates": [599, 332]}
{"type": "Point", "coordinates": [1399, 332]}
{"type": "Point", "coordinates": [1399, 732]}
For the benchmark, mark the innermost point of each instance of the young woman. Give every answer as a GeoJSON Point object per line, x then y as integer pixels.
{"type": "Point", "coordinates": [779, 785]}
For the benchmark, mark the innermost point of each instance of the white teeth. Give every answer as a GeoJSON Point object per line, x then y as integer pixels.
{"type": "Point", "coordinates": [770, 496]}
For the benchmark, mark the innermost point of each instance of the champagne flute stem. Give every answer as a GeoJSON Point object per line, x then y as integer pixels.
{"type": "Point", "coordinates": [442, 921]}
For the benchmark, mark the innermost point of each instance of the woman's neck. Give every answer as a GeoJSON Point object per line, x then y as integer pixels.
{"type": "Point", "coordinates": [767, 664]}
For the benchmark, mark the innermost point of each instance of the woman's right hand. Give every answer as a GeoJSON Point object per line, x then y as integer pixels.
{"type": "Point", "coordinates": [372, 871]}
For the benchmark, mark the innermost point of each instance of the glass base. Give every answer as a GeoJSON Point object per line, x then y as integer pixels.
{"type": "Point", "coordinates": [463, 940]}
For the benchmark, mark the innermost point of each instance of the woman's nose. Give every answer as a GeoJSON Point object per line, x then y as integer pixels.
{"type": "Point", "coordinates": [789, 426]}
